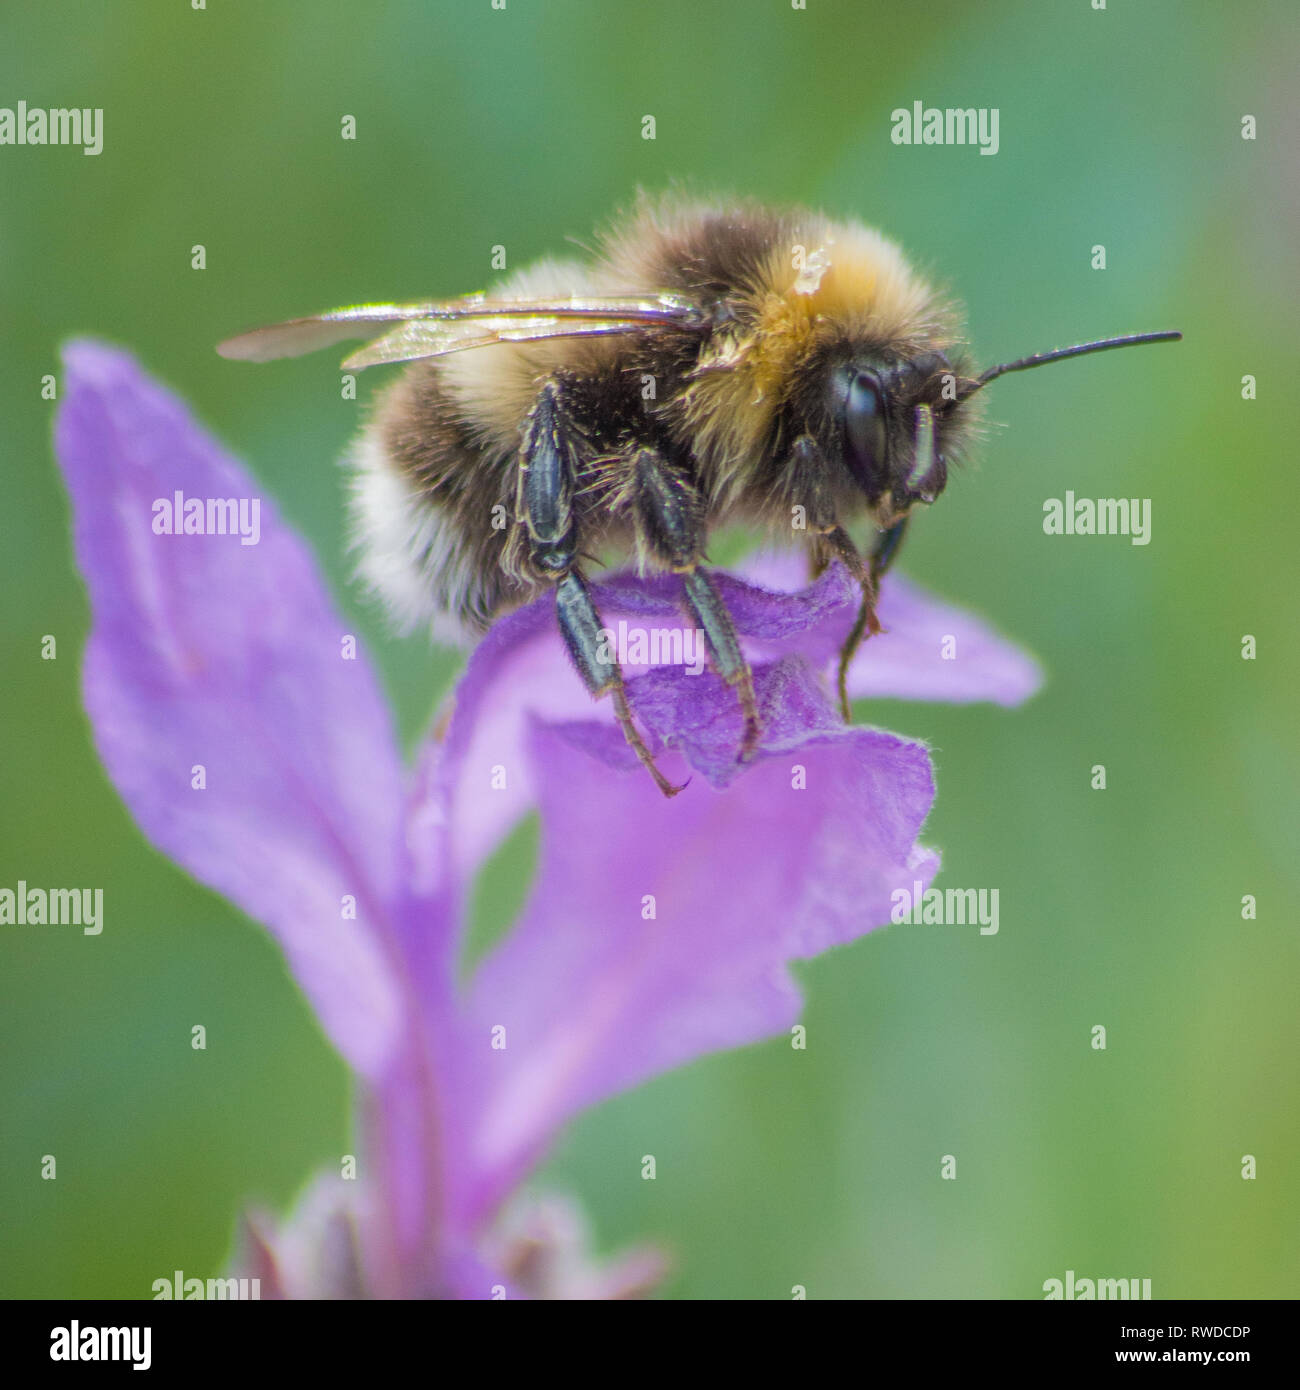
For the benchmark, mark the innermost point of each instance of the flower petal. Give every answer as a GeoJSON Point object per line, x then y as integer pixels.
{"type": "Point", "coordinates": [930, 649]}
{"type": "Point", "coordinates": [520, 669]}
{"type": "Point", "coordinates": [545, 1243]}
{"type": "Point", "coordinates": [661, 930]}
{"type": "Point", "coordinates": [207, 651]}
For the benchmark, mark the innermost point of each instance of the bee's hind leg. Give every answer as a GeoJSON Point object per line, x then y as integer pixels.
{"type": "Point", "coordinates": [545, 507]}
{"type": "Point", "coordinates": [669, 516]}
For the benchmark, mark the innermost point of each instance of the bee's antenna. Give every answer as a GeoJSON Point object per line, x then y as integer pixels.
{"type": "Point", "coordinates": [1039, 358]}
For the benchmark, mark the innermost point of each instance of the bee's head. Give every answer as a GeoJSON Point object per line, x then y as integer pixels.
{"type": "Point", "coordinates": [895, 425]}
{"type": "Point", "coordinates": [897, 420]}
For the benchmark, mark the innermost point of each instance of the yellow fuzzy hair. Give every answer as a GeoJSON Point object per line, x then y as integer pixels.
{"type": "Point", "coordinates": [864, 289]}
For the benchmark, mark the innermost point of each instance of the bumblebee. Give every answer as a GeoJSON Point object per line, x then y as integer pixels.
{"type": "Point", "coordinates": [709, 364]}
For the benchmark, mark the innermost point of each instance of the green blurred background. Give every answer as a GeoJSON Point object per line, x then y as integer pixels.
{"type": "Point", "coordinates": [1123, 907]}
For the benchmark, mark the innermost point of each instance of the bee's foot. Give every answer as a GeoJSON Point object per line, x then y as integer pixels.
{"type": "Point", "coordinates": [749, 743]}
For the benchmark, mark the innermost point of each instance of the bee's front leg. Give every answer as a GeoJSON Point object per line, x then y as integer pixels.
{"type": "Point", "coordinates": [668, 513]}
{"type": "Point", "coordinates": [545, 506]}
{"type": "Point", "coordinates": [885, 551]}
{"type": "Point", "coordinates": [882, 556]}
{"type": "Point", "coordinates": [806, 458]}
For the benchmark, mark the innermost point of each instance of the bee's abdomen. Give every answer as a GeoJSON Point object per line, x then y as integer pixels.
{"type": "Point", "coordinates": [432, 511]}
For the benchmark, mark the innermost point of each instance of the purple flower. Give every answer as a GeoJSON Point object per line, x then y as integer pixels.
{"type": "Point", "coordinates": [247, 733]}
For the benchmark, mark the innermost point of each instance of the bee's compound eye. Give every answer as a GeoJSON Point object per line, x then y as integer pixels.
{"type": "Point", "coordinates": [864, 430]}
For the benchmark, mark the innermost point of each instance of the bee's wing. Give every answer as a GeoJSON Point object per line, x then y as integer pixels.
{"type": "Point", "coordinates": [300, 336]}
{"type": "Point", "coordinates": [421, 338]}
{"type": "Point", "coordinates": [438, 326]}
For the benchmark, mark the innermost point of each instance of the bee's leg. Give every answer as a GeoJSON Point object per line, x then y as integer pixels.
{"type": "Point", "coordinates": [882, 555]}
{"type": "Point", "coordinates": [724, 647]}
{"type": "Point", "coordinates": [888, 544]}
{"type": "Point", "coordinates": [808, 470]}
{"type": "Point", "coordinates": [808, 484]}
{"type": "Point", "coordinates": [580, 627]}
{"type": "Point", "coordinates": [544, 505]}
{"type": "Point", "coordinates": [866, 623]}
{"type": "Point", "coordinates": [669, 513]}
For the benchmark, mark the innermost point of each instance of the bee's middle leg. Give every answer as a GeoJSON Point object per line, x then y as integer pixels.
{"type": "Point", "coordinates": [544, 504]}
{"type": "Point", "coordinates": [669, 516]}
